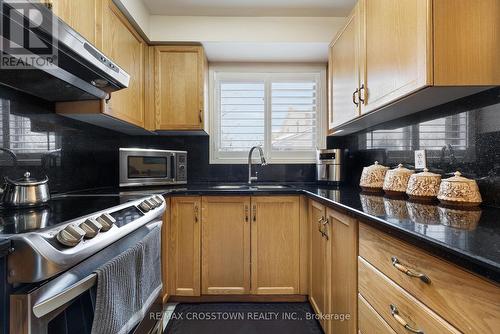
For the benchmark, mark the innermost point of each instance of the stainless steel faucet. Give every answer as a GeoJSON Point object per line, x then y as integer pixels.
{"type": "Point", "coordinates": [262, 163]}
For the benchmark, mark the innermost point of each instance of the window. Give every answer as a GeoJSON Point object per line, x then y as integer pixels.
{"type": "Point", "coordinates": [280, 108]}
{"type": "Point", "coordinates": [432, 136]}
{"type": "Point", "coordinates": [16, 134]}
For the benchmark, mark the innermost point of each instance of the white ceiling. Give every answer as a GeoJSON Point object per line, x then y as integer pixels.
{"type": "Point", "coordinates": [266, 52]}
{"type": "Point", "coordinates": [297, 8]}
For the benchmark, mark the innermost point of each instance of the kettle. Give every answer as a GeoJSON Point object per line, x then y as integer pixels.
{"type": "Point", "coordinates": [25, 192]}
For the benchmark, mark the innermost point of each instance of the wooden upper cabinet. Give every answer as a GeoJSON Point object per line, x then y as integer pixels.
{"type": "Point", "coordinates": [81, 15]}
{"type": "Point", "coordinates": [343, 67]}
{"type": "Point", "coordinates": [395, 50]}
{"type": "Point", "coordinates": [226, 245]}
{"type": "Point", "coordinates": [184, 246]}
{"type": "Point", "coordinates": [275, 222]}
{"type": "Point", "coordinates": [412, 55]}
{"type": "Point", "coordinates": [320, 263]}
{"type": "Point", "coordinates": [126, 47]}
{"type": "Point", "coordinates": [179, 87]}
{"type": "Point", "coordinates": [466, 42]}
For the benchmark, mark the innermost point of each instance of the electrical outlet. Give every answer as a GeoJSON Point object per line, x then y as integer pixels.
{"type": "Point", "coordinates": [420, 159]}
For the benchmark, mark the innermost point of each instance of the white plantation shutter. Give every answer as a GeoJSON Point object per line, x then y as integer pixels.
{"type": "Point", "coordinates": [293, 116]}
{"type": "Point", "coordinates": [280, 110]}
{"type": "Point", "coordinates": [241, 115]}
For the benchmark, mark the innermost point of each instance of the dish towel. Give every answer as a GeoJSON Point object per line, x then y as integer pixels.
{"type": "Point", "coordinates": [127, 286]}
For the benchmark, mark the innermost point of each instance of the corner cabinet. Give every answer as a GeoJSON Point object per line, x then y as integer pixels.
{"type": "Point", "coordinates": [179, 87]}
{"type": "Point", "coordinates": [394, 58]}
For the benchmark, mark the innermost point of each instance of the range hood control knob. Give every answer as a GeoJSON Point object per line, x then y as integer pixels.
{"type": "Point", "coordinates": [70, 236]}
{"type": "Point", "coordinates": [144, 206]}
{"type": "Point", "coordinates": [107, 221]}
{"type": "Point", "coordinates": [91, 228]}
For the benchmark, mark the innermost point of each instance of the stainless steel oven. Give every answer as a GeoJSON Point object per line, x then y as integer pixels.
{"type": "Point", "coordinates": [146, 167]}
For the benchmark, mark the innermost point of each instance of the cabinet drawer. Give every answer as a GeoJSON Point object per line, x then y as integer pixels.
{"type": "Point", "coordinates": [468, 302]}
{"type": "Point", "coordinates": [399, 309]}
{"type": "Point", "coordinates": [369, 320]}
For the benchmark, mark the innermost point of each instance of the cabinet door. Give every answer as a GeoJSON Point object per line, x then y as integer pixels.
{"type": "Point", "coordinates": [79, 14]}
{"type": "Point", "coordinates": [319, 291]}
{"type": "Point", "coordinates": [343, 67]}
{"type": "Point", "coordinates": [344, 270]}
{"type": "Point", "coordinates": [275, 245]}
{"type": "Point", "coordinates": [179, 87]}
{"type": "Point", "coordinates": [124, 46]}
{"type": "Point", "coordinates": [397, 50]}
{"type": "Point", "coordinates": [185, 246]}
{"type": "Point", "coordinates": [226, 245]}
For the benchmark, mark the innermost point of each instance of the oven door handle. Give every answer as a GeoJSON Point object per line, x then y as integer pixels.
{"type": "Point", "coordinates": [45, 306]}
{"type": "Point", "coordinates": [53, 303]}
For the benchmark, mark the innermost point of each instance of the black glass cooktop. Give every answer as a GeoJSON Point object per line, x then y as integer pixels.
{"type": "Point", "coordinates": [60, 209]}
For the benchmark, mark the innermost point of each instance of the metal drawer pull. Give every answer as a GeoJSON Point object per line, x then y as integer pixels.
{"type": "Point", "coordinates": [246, 213]}
{"type": "Point", "coordinates": [410, 272]}
{"type": "Point", "coordinates": [403, 322]}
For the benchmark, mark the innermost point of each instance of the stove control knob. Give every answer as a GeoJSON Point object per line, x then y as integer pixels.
{"type": "Point", "coordinates": [152, 203]}
{"type": "Point", "coordinates": [107, 221]}
{"type": "Point", "coordinates": [159, 199]}
{"type": "Point", "coordinates": [91, 228]}
{"type": "Point", "coordinates": [70, 236]}
{"type": "Point", "coordinates": [144, 206]}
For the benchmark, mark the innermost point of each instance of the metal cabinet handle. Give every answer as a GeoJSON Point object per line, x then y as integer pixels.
{"type": "Point", "coordinates": [408, 271]}
{"type": "Point", "coordinates": [246, 213]}
{"type": "Point", "coordinates": [354, 97]}
{"type": "Point", "coordinates": [361, 96]}
{"type": "Point", "coordinates": [201, 116]}
{"type": "Point", "coordinates": [254, 213]}
{"type": "Point", "coordinates": [196, 213]}
{"type": "Point", "coordinates": [403, 322]}
{"type": "Point", "coordinates": [325, 222]}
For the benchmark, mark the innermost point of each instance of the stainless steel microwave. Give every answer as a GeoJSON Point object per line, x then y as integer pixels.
{"type": "Point", "coordinates": [147, 167]}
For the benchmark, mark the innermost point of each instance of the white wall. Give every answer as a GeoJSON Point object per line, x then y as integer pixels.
{"type": "Point", "coordinates": [243, 29]}
{"type": "Point", "coordinates": [241, 38]}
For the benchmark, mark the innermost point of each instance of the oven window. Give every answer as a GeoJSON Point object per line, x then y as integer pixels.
{"type": "Point", "coordinates": [146, 167]}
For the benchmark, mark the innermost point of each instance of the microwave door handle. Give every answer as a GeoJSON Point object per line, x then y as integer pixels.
{"type": "Point", "coordinates": [173, 170]}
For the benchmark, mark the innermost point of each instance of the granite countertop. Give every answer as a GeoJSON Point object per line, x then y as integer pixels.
{"type": "Point", "coordinates": [468, 238]}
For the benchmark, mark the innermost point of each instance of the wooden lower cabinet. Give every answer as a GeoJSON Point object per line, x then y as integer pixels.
{"type": "Point", "coordinates": [225, 245]}
{"type": "Point", "coordinates": [344, 273]}
{"type": "Point", "coordinates": [234, 245]}
{"type": "Point", "coordinates": [370, 321]}
{"type": "Point", "coordinates": [333, 269]}
{"type": "Point", "coordinates": [184, 246]}
{"type": "Point", "coordinates": [320, 263]}
{"type": "Point", "coordinates": [275, 222]}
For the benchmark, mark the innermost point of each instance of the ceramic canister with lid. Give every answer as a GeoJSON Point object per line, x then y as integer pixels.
{"type": "Point", "coordinates": [372, 178]}
{"type": "Point", "coordinates": [423, 186]}
{"type": "Point", "coordinates": [396, 180]}
{"type": "Point", "coordinates": [459, 191]}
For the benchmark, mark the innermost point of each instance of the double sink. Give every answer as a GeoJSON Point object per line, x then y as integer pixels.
{"type": "Point", "coordinates": [250, 187]}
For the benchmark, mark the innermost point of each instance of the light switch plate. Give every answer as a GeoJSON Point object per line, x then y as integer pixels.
{"type": "Point", "coordinates": [420, 159]}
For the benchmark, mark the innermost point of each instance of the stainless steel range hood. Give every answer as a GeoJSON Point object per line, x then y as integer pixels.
{"type": "Point", "coordinates": [78, 72]}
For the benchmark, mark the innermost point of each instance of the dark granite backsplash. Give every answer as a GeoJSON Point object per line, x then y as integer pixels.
{"type": "Point", "coordinates": [462, 135]}
{"type": "Point", "coordinates": [77, 155]}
